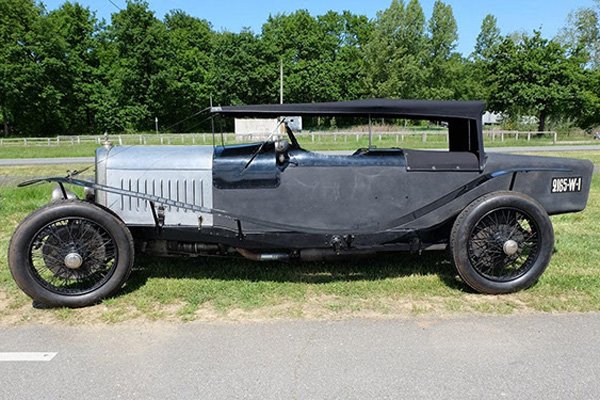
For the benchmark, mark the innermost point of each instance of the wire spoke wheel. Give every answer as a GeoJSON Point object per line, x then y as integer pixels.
{"type": "Point", "coordinates": [72, 256]}
{"type": "Point", "coordinates": [503, 244]}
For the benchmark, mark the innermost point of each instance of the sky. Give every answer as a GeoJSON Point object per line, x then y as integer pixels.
{"type": "Point", "coordinates": [233, 15]}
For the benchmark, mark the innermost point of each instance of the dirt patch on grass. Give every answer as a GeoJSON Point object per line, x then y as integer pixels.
{"type": "Point", "coordinates": [318, 307]}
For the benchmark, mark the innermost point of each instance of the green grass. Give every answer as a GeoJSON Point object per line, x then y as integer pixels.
{"type": "Point", "coordinates": [20, 151]}
{"type": "Point", "coordinates": [593, 156]}
{"type": "Point", "coordinates": [231, 289]}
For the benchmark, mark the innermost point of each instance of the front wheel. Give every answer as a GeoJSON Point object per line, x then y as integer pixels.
{"type": "Point", "coordinates": [70, 254]}
{"type": "Point", "coordinates": [502, 242]}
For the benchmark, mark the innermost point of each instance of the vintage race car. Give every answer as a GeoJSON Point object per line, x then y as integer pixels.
{"type": "Point", "coordinates": [276, 201]}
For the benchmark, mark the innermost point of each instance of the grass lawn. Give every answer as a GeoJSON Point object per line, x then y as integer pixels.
{"type": "Point", "coordinates": [234, 289]}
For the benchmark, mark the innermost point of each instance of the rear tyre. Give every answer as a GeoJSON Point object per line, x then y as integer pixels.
{"type": "Point", "coordinates": [502, 243]}
{"type": "Point", "coordinates": [70, 254]}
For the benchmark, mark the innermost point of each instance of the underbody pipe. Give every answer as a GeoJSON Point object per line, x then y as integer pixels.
{"type": "Point", "coordinates": [330, 254]}
{"type": "Point", "coordinates": [323, 254]}
{"type": "Point", "coordinates": [192, 248]}
{"type": "Point", "coordinates": [263, 256]}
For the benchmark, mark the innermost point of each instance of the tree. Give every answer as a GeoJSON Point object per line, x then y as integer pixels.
{"type": "Point", "coordinates": [489, 37]}
{"type": "Point", "coordinates": [348, 34]}
{"type": "Point", "coordinates": [444, 64]}
{"type": "Point", "coordinates": [243, 71]}
{"type": "Point", "coordinates": [137, 73]}
{"type": "Point", "coordinates": [477, 67]}
{"type": "Point", "coordinates": [191, 43]}
{"type": "Point", "coordinates": [582, 34]}
{"type": "Point", "coordinates": [47, 64]}
{"type": "Point", "coordinates": [307, 47]}
{"type": "Point", "coordinates": [76, 66]}
{"type": "Point", "coordinates": [321, 56]}
{"type": "Point", "coordinates": [395, 54]}
{"type": "Point", "coordinates": [20, 73]}
{"type": "Point", "coordinates": [587, 110]}
{"type": "Point", "coordinates": [535, 76]}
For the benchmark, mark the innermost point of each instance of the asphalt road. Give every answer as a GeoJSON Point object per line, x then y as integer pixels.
{"type": "Point", "coordinates": [89, 160]}
{"type": "Point", "coordinates": [538, 356]}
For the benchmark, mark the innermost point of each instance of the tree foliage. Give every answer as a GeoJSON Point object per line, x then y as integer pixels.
{"type": "Point", "coordinates": [534, 76]}
{"type": "Point", "coordinates": [65, 72]}
{"type": "Point", "coordinates": [582, 34]}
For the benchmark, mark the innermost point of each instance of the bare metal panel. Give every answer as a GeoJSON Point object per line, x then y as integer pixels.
{"type": "Point", "coordinates": [181, 173]}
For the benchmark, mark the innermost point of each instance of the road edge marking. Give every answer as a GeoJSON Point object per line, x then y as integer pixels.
{"type": "Point", "coordinates": [27, 356]}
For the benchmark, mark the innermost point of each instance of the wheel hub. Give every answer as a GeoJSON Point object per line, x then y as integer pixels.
{"type": "Point", "coordinates": [73, 261]}
{"type": "Point", "coordinates": [510, 247]}
{"type": "Point", "coordinates": [63, 256]}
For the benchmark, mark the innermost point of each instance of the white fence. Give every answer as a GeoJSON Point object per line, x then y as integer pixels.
{"type": "Point", "coordinates": [313, 136]}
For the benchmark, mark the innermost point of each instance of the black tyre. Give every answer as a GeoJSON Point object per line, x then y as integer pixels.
{"type": "Point", "coordinates": [502, 242]}
{"type": "Point", "coordinates": [70, 254]}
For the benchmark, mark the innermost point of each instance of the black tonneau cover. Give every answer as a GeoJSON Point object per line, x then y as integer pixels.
{"type": "Point", "coordinates": [378, 108]}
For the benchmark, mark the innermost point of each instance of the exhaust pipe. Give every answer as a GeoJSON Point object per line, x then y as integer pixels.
{"type": "Point", "coordinates": [263, 256]}
{"type": "Point", "coordinates": [304, 255]}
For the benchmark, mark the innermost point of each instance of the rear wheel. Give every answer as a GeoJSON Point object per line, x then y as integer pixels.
{"type": "Point", "coordinates": [70, 254]}
{"type": "Point", "coordinates": [502, 242]}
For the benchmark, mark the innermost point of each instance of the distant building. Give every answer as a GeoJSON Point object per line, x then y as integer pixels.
{"type": "Point", "coordinates": [250, 129]}
{"type": "Point", "coordinates": [492, 118]}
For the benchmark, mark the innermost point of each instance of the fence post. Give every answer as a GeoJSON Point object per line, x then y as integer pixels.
{"type": "Point", "coordinates": [48, 141]}
{"type": "Point", "coordinates": [424, 137]}
{"type": "Point", "coordinates": [554, 135]}
{"type": "Point", "coordinates": [25, 141]}
{"type": "Point", "coordinates": [528, 136]}
{"type": "Point", "coordinates": [502, 136]}
{"type": "Point", "coordinates": [517, 135]}
{"type": "Point", "coordinates": [72, 141]}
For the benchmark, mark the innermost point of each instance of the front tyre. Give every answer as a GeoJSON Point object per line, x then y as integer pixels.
{"type": "Point", "coordinates": [70, 254]}
{"type": "Point", "coordinates": [502, 243]}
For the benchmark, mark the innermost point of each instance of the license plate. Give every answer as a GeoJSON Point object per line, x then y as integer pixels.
{"type": "Point", "coordinates": [565, 185]}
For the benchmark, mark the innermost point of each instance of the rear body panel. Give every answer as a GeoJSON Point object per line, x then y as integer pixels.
{"type": "Point", "coordinates": [535, 175]}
